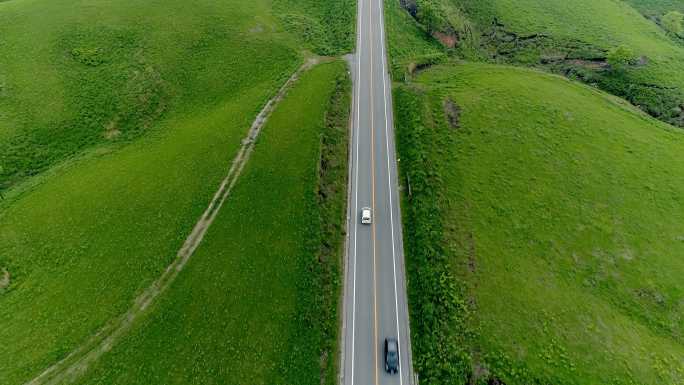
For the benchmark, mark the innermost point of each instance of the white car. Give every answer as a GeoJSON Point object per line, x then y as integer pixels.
{"type": "Point", "coordinates": [366, 216]}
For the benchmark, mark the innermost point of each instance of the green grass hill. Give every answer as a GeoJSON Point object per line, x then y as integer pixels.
{"type": "Point", "coordinates": [75, 74]}
{"type": "Point", "coordinates": [118, 121]}
{"type": "Point", "coordinates": [544, 231]}
{"type": "Point", "coordinates": [621, 47]}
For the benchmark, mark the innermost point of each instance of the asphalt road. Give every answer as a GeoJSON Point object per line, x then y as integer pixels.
{"type": "Point", "coordinates": [375, 305]}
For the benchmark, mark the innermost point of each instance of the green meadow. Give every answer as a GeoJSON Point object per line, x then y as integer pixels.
{"type": "Point", "coordinates": [119, 120]}
{"type": "Point", "coordinates": [74, 74]}
{"type": "Point", "coordinates": [253, 305]}
{"type": "Point", "coordinates": [554, 256]}
{"type": "Point", "coordinates": [542, 216]}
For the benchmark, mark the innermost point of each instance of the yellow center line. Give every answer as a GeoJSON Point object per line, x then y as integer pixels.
{"type": "Point", "coordinates": [375, 291]}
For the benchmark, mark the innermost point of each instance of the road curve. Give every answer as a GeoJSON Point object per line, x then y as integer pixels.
{"type": "Point", "coordinates": [375, 305]}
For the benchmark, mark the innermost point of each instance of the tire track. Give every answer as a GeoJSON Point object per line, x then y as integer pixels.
{"type": "Point", "coordinates": [79, 360]}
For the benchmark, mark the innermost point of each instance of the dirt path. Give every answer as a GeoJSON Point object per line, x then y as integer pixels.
{"type": "Point", "coordinates": [4, 278]}
{"type": "Point", "coordinates": [78, 361]}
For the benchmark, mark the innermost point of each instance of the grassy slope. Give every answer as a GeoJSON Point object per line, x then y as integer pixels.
{"type": "Point", "coordinates": [604, 23]}
{"type": "Point", "coordinates": [560, 220]}
{"type": "Point", "coordinates": [245, 309]}
{"type": "Point", "coordinates": [78, 73]}
{"type": "Point", "coordinates": [323, 25]}
{"type": "Point", "coordinates": [407, 43]}
{"type": "Point", "coordinates": [657, 7]}
{"type": "Point", "coordinates": [69, 77]}
{"type": "Point", "coordinates": [120, 212]}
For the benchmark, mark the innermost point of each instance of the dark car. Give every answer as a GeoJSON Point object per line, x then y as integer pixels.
{"type": "Point", "coordinates": [391, 355]}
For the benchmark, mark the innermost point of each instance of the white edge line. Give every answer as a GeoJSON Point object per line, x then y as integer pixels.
{"type": "Point", "coordinates": [389, 183]}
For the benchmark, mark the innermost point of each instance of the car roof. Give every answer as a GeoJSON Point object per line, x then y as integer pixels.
{"type": "Point", "coordinates": [392, 343]}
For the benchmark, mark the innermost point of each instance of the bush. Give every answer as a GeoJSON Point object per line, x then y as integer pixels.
{"type": "Point", "coordinates": [620, 57]}
{"type": "Point", "coordinates": [673, 22]}
{"type": "Point", "coordinates": [430, 15]}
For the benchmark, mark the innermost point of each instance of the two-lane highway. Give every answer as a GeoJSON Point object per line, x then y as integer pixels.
{"type": "Point", "coordinates": [375, 303]}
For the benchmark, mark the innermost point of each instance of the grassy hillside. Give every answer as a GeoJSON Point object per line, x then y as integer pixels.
{"type": "Point", "coordinates": [555, 256]}
{"type": "Point", "coordinates": [115, 135]}
{"type": "Point", "coordinates": [324, 26]}
{"type": "Point", "coordinates": [603, 23]}
{"type": "Point", "coordinates": [74, 74]}
{"type": "Point", "coordinates": [409, 46]}
{"type": "Point", "coordinates": [573, 38]}
{"type": "Point", "coordinates": [657, 8]}
{"type": "Point", "coordinates": [223, 321]}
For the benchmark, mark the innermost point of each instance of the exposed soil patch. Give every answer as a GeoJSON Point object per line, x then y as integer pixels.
{"type": "Point", "coordinates": [4, 279]}
{"type": "Point", "coordinates": [453, 113]}
{"type": "Point", "coordinates": [597, 65]}
{"type": "Point", "coordinates": [447, 40]}
{"type": "Point", "coordinates": [575, 67]}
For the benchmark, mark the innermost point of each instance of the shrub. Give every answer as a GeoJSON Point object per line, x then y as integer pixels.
{"type": "Point", "coordinates": [673, 22]}
{"type": "Point", "coordinates": [430, 15]}
{"type": "Point", "coordinates": [620, 57]}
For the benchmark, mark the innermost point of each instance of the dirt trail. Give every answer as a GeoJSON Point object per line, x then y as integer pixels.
{"type": "Point", "coordinates": [4, 278]}
{"type": "Point", "coordinates": [78, 361]}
